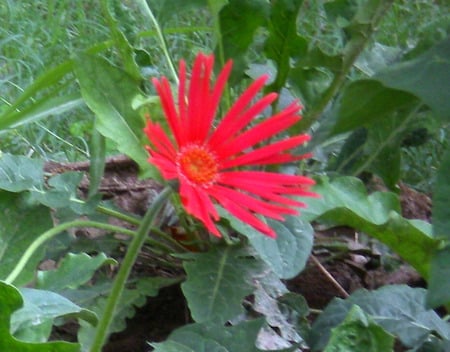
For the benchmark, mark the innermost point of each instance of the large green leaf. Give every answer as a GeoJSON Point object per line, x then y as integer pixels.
{"type": "Point", "coordinates": [210, 337]}
{"type": "Point", "coordinates": [73, 271]}
{"type": "Point", "coordinates": [358, 332]}
{"type": "Point", "coordinates": [39, 310]}
{"type": "Point", "coordinates": [19, 173]}
{"type": "Point", "coordinates": [400, 310]}
{"type": "Point", "coordinates": [439, 285]}
{"type": "Point", "coordinates": [344, 201]}
{"type": "Point", "coordinates": [368, 101]}
{"type": "Point", "coordinates": [20, 224]}
{"type": "Point", "coordinates": [239, 20]}
{"type": "Point", "coordinates": [109, 92]}
{"type": "Point", "coordinates": [283, 42]}
{"type": "Point", "coordinates": [10, 301]}
{"type": "Point", "coordinates": [441, 199]}
{"type": "Point", "coordinates": [287, 254]}
{"type": "Point", "coordinates": [427, 77]}
{"type": "Point", "coordinates": [217, 282]}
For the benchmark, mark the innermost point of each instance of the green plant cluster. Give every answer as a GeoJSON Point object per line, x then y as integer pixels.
{"type": "Point", "coordinates": [374, 77]}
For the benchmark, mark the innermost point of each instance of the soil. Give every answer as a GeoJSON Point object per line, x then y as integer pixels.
{"type": "Point", "coordinates": [329, 273]}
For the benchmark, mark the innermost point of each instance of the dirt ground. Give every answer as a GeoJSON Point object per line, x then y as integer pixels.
{"type": "Point", "coordinates": [329, 273]}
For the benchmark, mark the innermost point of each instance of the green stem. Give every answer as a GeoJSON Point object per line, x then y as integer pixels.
{"type": "Point", "coordinates": [145, 8]}
{"type": "Point", "coordinates": [118, 215]}
{"type": "Point", "coordinates": [352, 50]}
{"type": "Point", "coordinates": [52, 233]}
{"type": "Point", "coordinates": [125, 269]}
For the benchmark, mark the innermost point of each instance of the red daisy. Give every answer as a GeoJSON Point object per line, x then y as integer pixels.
{"type": "Point", "coordinates": [204, 158]}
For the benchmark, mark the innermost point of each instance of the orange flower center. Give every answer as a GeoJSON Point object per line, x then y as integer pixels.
{"type": "Point", "coordinates": [198, 165]}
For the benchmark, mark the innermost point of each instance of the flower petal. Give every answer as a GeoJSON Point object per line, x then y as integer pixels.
{"type": "Point", "coordinates": [197, 203]}
{"type": "Point", "coordinates": [269, 154]}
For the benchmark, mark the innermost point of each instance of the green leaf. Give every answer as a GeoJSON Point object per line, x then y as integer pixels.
{"type": "Point", "coordinates": [438, 285]}
{"type": "Point", "coordinates": [344, 201]}
{"type": "Point", "coordinates": [441, 199]}
{"type": "Point", "coordinates": [20, 173]}
{"type": "Point", "coordinates": [398, 309]}
{"type": "Point", "coordinates": [124, 48]}
{"type": "Point", "coordinates": [210, 337]}
{"type": "Point", "coordinates": [73, 271]}
{"type": "Point", "coordinates": [43, 107]}
{"type": "Point", "coordinates": [357, 333]}
{"type": "Point", "coordinates": [46, 80]}
{"type": "Point", "coordinates": [40, 308]}
{"type": "Point", "coordinates": [20, 224]}
{"type": "Point", "coordinates": [283, 311]}
{"type": "Point", "coordinates": [217, 282]}
{"type": "Point", "coordinates": [109, 92]}
{"type": "Point", "coordinates": [239, 20]}
{"type": "Point", "coordinates": [287, 254]}
{"type": "Point", "coordinates": [427, 77]}
{"type": "Point", "coordinates": [368, 101]}
{"type": "Point", "coordinates": [10, 301]}
{"type": "Point", "coordinates": [97, 161]}
{"type": "Point", "coordinates": [94, 297]}
{"type": "Point", "coordinates": [63, 188]}
{"type": "Point", "coordinates": [283, 42]}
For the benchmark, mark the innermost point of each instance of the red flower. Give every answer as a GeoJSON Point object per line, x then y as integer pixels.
{"type": "Point", "coordinates": [203, 154]}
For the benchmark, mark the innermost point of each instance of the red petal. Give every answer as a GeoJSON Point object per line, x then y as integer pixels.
{"type": "Point", "coordinates": [165, 94]}
{"type": "Point", "coordinates": [269, 154]}
{"type": "Point", "coordinates": [266, 129]}
{"type": "Point", "coordinates": [197, 203]}
{"type": "Point", "coordinates": [227, 124]}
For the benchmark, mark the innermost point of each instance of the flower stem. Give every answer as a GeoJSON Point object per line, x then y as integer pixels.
{"type": "Point", "coordinates": [125, 269]}
{"type": "Point", "coordinates": [52, 233]}
{"type": "Point", "coordinates": [145, 8]}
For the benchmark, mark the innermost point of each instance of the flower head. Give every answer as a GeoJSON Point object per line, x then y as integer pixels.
{"type": "Point", "coordinates": [212, 159]}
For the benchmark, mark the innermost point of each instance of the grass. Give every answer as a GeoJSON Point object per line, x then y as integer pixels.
{"type": "Point", "coordinates": [35, 36]}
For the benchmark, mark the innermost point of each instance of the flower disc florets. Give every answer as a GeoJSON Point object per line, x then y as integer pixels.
{"type": "Point", "coordinates": [197, 165]}
{"type": "Point", "coordinates": [218, 160]}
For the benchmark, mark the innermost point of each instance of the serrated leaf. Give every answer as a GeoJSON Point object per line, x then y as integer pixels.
{"type": "Point", "coordinates": [10, 301]}
{"type": "Point", "coordinates": [210, 337]}
{"type": "Point", "coordinates": [287, 254]}
{"type": "Point", "coordinates": [73, 271]}
{"type": "Point", "coordinates": [40, 308]}
{"type": "Point", "coordinates": [217, 281]}
{"type": "Point", "coordinates": [269, 289]}
{"type": "Point", "coordinates": [399, 309]}
{"type": "Point", "coordinates": [62, 188]}
{"type": "Point", "coordinates": [358, 332]}
{"type": "Point", "coordinates": [20, 224]}
{"type": "Point", "coordinates": [94, 297]}
{"type": "Point", "coordinates": [109, 92]}
{"type": "Point", "coordinates": [20, 173]}
{"type": "Point", "coordinates": [427, 77]}
{"type": "Point", "coordinates": [344, 201]}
